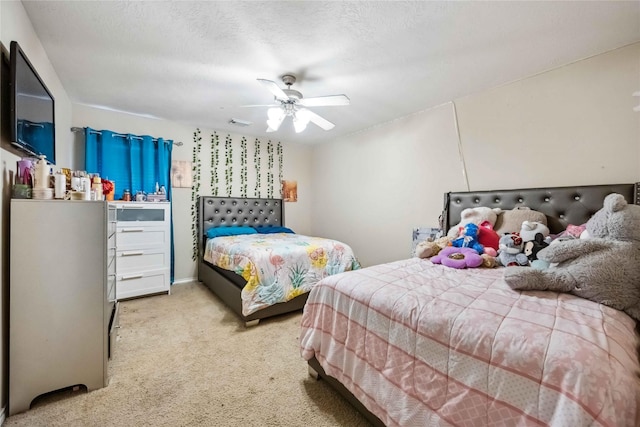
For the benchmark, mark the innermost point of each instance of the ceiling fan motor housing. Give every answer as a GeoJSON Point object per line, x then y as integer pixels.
{"type": "Point", "coordinates": [292, 93]}
{"type": "Point", "coordinates": [288, 79]}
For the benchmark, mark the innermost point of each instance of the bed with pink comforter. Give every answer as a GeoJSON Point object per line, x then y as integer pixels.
{"type": "Point", "coordinates": [423, 344]}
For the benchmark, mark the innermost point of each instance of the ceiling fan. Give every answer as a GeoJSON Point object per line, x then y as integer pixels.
{"type": "Point", "coordinates": [291, 103]}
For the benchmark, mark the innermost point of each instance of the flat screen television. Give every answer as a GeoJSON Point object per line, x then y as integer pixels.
{"type": "Point", "coordinates": [32, 108]}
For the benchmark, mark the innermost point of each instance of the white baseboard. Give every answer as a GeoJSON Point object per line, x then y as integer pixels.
{"type": "Point", "coordinates": [187, 280]}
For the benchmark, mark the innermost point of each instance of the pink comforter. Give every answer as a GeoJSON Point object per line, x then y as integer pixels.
{"type": "Point", "coordinates": [423, 344]}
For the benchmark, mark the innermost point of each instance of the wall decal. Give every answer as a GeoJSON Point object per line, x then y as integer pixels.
{"type": "Point", "coordinates": [256, 163]}
{"type": "Point", "coordinates": [243, 167]}
{"type": "Point", "coordinates": [195, 191]}
{"type": "Point", "coordinates": [290, 191]}
{"type": "Point", "coordinates": [270, 170]}
{"type": "Point", "coordinates": [280, 167]}
{"type": "Point", "coordinates": [215, 161]}
{"type": "Point", "coordinates": [181, 171]}
{"type": "Point", "coordinates": [228, 173]}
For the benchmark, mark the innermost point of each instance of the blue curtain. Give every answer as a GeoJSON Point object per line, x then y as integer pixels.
{"type": "Point", "coordinates": [133, 162]}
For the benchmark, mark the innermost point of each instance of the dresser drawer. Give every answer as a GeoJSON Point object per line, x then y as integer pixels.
{"type": "Point", "coordinates": [136, 284]}
{"type": "Point", "coordinates": [141, 260]}
{"type": "Point", "coordinates": [141, 237]}
{"type": "Point", "coordinates": [142, 213]}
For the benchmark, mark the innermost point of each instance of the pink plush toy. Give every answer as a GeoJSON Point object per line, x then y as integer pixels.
{"type": "Point", "coordinates": [488, 237]}
{"type": "Point", "coordinates": [458, 258]}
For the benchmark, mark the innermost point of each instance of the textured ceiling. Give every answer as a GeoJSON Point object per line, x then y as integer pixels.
{"type": "Point", "coordinates": [196, 62]}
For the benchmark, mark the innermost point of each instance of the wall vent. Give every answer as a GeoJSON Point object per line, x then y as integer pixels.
{"type": "Point", "coordinates": [239, 122]}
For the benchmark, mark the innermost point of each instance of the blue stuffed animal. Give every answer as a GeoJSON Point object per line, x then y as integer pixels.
{"type": "Point", "coordinates": [469, 239]}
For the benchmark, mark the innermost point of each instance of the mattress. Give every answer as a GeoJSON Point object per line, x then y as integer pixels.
{"type": "Point", "coordinates": [424, 344]}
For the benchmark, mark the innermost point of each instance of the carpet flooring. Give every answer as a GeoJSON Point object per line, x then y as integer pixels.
{"type": "Point", "coordinates": [186, 360]}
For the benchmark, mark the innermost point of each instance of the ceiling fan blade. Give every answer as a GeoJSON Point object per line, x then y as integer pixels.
{"type": "Point", "coordinates": [274, 89]}
{"type": "Point", "coordinates": [259, 105]}
{"type": "Point", "coordinates": [320, 121]}
{"type": "Point", "coordinates": [320, 101]}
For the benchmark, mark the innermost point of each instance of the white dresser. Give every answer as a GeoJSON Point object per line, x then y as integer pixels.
{"type": "Point", "coordinates": [143, 248]}
{"type": "Point", "coordinates": [62, 310]}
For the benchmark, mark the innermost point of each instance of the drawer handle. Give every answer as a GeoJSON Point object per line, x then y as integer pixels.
{"type": "Point", "coordinates": [132, 230]}
{"type": "Point", "coordinates": [124, 208]}
{"type": "Point", "coordinates": [132, 253]}
{"type": "Point", "coordinates": [137, 276]}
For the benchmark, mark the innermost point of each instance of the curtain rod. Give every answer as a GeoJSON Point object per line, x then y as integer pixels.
{"type": "Point", "coordinates": [77, 129]}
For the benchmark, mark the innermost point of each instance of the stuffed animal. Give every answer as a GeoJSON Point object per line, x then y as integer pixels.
{"type": "Point", "coordinates": [604, 268]}
{"type": "Point", "coordinates": [488, 237]}
{"type": "Point", "coordinates": [510, 252]}
{"type": "Point", "coordinates": [429, 248]}
{"type": "Point", "coordinates": [475, 216]}
{"type": "Point", "coordinates": [488, 261]}
{"type": "Point", "coordinates": [530, 229]}
{"type": "Point", "coordinates": [458, 258]}
{"type": "Point", "coordinates": [510, 221]}
{"type": "Point", "coordinates": [531, 249]}
{"type": "Point", "coordinates": [469, 239]}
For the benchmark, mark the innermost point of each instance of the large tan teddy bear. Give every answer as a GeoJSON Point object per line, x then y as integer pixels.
{"type": "Point", "coordinates": [604, 268]}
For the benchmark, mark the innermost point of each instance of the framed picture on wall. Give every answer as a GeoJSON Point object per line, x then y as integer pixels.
{"type": "Point", "coordinates": [290, 191]}
{"type": "Point", "coordinates": [181, 174]}
{"type": "Point", "coordinates": [424, 233]}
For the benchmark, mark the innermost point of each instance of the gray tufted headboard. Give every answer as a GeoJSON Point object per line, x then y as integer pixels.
{"type": "Point", "coordinates": [237, 211]}
{"type": "Point", "coordinates": [561, 205]}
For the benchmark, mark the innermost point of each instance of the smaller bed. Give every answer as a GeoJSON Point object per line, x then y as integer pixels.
{"type": "Point", "coordinates": [262, 275]}
{"type": "Point", "coordinates": [414, 343]}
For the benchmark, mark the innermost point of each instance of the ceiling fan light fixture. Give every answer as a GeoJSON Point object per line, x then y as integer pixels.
{"type": "Point", "coordinates": [300, 121]}
{"type": "Point", "coordinates": [275, 113]}
{"type": "Point", "coordinates": [276, 117]}
{"type": "Point", "coordinates": [292, 103]}
{"type": "Point", "coordinates": [299, 125]}
{"type": "Point", "coordinates": [274, 125]}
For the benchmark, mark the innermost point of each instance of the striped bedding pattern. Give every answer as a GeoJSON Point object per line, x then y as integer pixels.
{"type": "Point", "coordinates": [424, 344]}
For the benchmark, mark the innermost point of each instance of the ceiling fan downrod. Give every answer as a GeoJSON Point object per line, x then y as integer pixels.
{"type": "Point", "coordinates": [294, 95]}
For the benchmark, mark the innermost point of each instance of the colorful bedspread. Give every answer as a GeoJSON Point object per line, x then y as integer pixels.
{"type": "Point", "coordinates": [278, 267]}
{"type": "Point", "coordinates": [423, 344]}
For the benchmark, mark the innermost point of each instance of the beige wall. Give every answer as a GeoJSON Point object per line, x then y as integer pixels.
{"type": "Point", "coordinates": [372, 188]}
{"type": "Point", "coordinates": [569, 126]}
{"type": "Point", "coordinates": [296, 166]}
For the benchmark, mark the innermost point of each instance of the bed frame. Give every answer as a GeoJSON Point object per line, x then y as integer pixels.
{"type": "Point", "coordinates": [230, 212]}
{"type": "Point", "coordinates": [561, 205]}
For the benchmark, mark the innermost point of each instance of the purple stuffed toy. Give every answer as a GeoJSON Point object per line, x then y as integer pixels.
{"type": "Point", "coordinates": [469, 239]}
{"type": "Point", "coordinates": [458, 258]}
